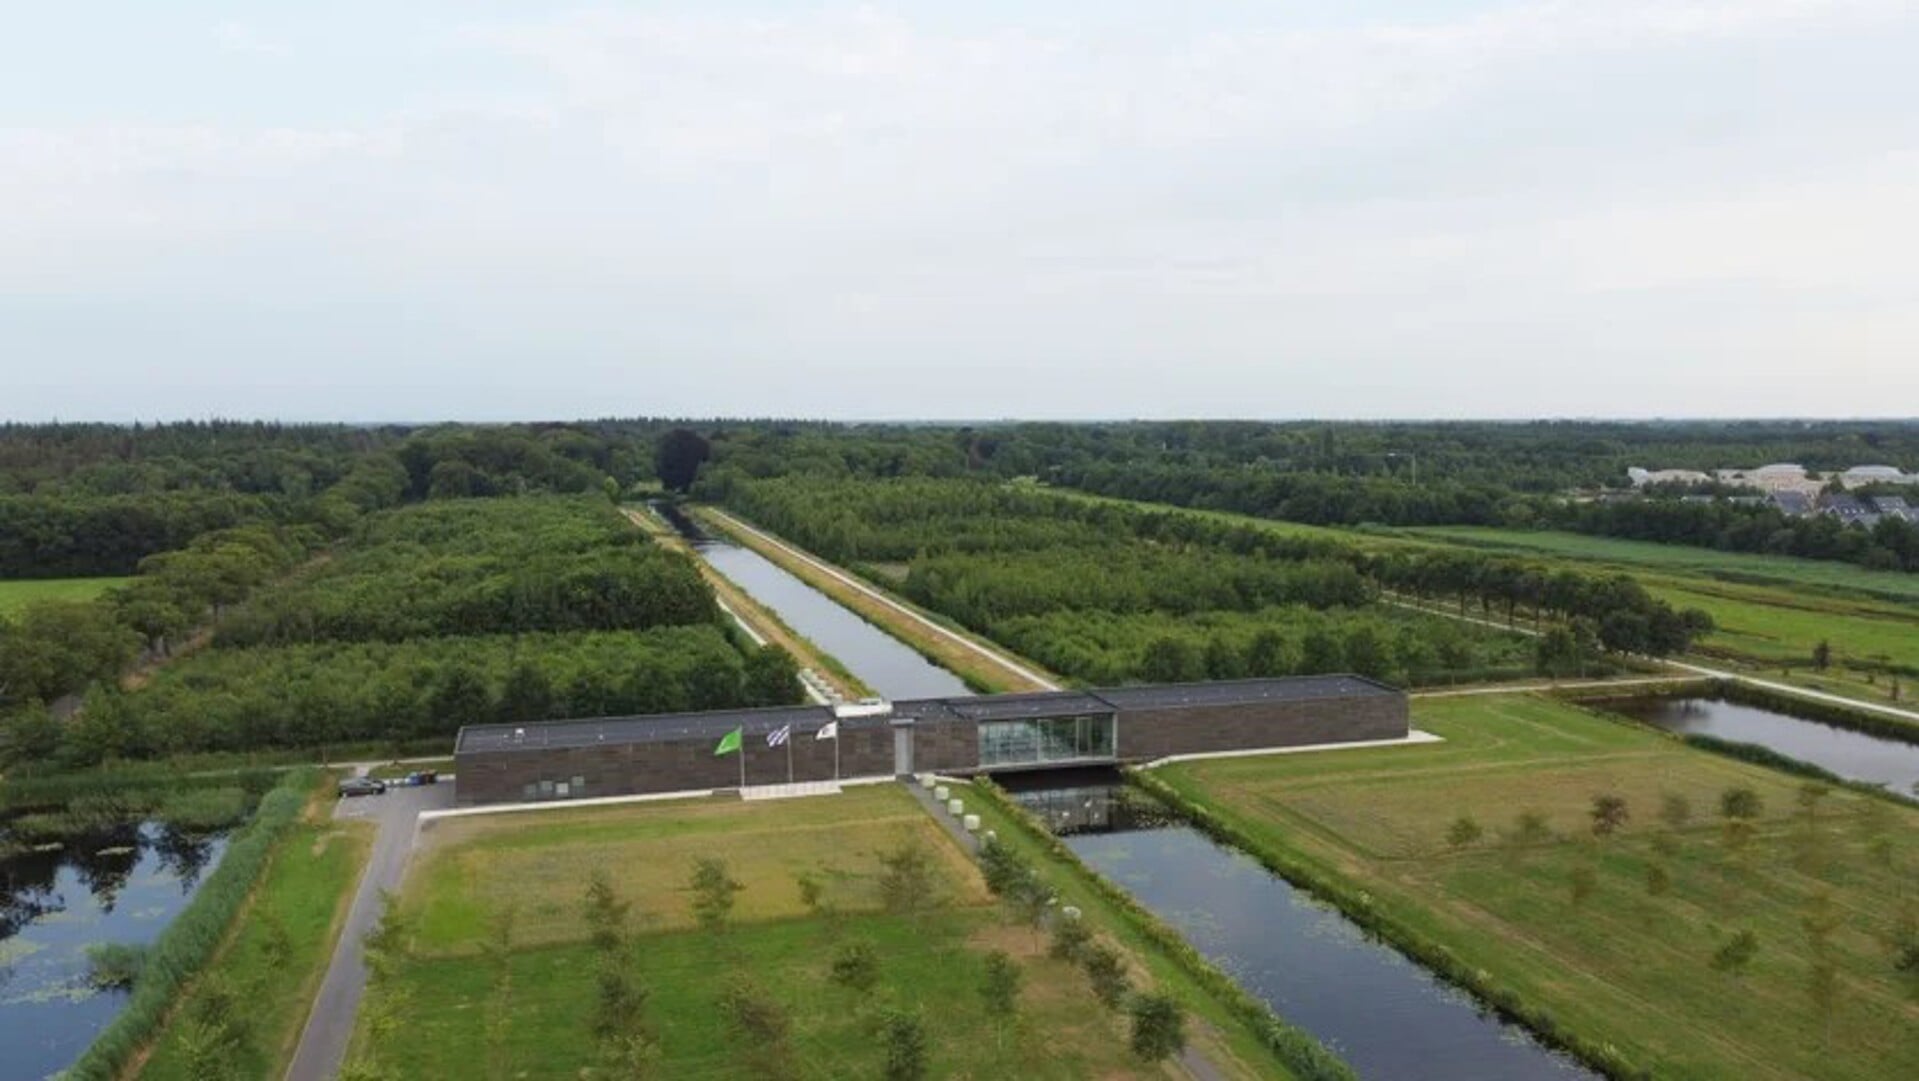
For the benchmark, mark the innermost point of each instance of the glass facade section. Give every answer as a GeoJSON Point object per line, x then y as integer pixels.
{"type": "Point", "coordinates": [1045, 739]}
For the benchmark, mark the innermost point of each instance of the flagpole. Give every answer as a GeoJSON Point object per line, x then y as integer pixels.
{"type": "Point", "coordinates": [789, 756]}
{"type": "Point", "coordinates": [836, 752]}
{"type": "Point", "coordinates": [742, 753]}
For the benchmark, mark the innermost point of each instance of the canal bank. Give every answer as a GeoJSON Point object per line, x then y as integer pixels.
{"type": "Point", "coordinates": [876, 659]}
{"type": "Point", "coordinates": [1297, 957]}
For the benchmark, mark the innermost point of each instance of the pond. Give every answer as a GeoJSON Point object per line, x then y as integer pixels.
{"type": "Point", "coordinates": [121, 885]}
{"type": "Point", "coordinates": [883, 662]}
{"type": "Point", "coordinates": [1383, 1013]}
{"type": "Point", "coordinates": [1855, 756]}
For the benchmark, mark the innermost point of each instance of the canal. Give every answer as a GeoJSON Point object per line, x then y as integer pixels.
{"type": "Point", "coordinates": [123, 885]}
{"type": "Point", "coordinates": [1855, 756]}
{"type": "Point", "coordinates": [1384, 1014]}
{"type": "Point", "coordinates": [883, 662]}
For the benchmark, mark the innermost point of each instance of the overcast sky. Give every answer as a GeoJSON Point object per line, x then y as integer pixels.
{"type": "Point", "coordinates": [1102, 208]}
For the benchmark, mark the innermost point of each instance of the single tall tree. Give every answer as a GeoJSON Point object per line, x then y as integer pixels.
{"type": "Point", "coordinates": [678, 457]}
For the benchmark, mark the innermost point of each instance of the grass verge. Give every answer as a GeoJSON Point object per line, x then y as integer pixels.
{"type": "Point", "coordinates": [277, 953]}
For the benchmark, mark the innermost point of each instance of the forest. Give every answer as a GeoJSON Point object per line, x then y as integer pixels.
{"type": "Point", "coordinates": [1105, 593]}
{"type": "Point", "coordinates": [369, 601]}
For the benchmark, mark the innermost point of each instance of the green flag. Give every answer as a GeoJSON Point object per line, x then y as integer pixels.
{"type": "Point", "coordinates": [728, 743]}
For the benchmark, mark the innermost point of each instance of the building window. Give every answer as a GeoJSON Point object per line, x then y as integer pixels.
{"type": "Point", "coordinates": [1047, 739]}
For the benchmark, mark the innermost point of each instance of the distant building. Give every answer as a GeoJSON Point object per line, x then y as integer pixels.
{"type": "Point", "coordinates": [1642, 477]}
{"type": "Point", "coordinates": [1848, 509]}
{"type": "Point", "coordinates": [1794, 504]}
{"type": "Point", "coordinates": [1861, 475]}
{"type": "Point", "coordinates": [1892, 506]}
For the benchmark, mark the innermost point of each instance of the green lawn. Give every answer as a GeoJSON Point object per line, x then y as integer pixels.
{"type": "Point", "coordinates": [1623, 967]}
{"type": "Point", "coordinates": [396, 770]}
{"type": "Point", "coordinates": [1733, 566]}
{"type": "Point", "coordinates": [539, 864]}
{"type": "Point", "coordinates": [274, 976]}
{"type": "Point", "coordinates": [17, 593]}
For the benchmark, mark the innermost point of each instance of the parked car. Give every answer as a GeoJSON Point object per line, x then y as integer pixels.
{"type": "Point", "coordinates": [362, 786]}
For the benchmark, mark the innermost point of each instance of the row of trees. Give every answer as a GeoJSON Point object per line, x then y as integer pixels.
{"type": "Point", "coordinates": [1403, 647]}
{"type": "Point", "coordinates": [483, 567]}
{"type": "Point", "coordinates": [331, 693]}
{"type": "Point", "coordinates": [1890, 544]}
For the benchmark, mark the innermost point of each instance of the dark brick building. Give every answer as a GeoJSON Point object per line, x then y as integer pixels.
{"type": "Point", "coordinates": [619, 756]}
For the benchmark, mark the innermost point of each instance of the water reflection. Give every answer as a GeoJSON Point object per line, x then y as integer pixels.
{"type": "Point", "coordinates": [883, 662]}
{"type": "Point", "coordinates": [118, 885]}
{"type": "Point", "coordinates": [1383, 1013]}
{"type": "Point", "coordinates": [1855, 756]}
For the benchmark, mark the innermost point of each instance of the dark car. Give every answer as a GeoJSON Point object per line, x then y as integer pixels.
{"type": "Point", "coordinates": [362, 786]}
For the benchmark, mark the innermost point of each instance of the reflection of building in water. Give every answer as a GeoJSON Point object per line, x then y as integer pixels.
{"type": "Point", "coordinates": [1075, 810]}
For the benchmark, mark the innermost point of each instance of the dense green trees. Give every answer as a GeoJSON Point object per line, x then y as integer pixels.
{"type": "Point", "coordinates": [311, 695]}
{"type": "Point", "coordinates": [1108, 593]}
{"type": "Point", "coordinates": [483, 567]}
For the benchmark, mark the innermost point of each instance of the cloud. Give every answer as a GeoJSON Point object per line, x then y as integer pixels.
{"type": "Point", "coordinates": [1323, 219]}
{"type": "Point", "coordinates": [234, 37]}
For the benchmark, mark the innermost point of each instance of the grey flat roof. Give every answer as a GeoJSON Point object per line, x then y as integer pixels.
{"type": "Point", "coordinates": [1233, 692]}
{"type": "Point", "coordinates": [641, 729]}
{"type": "Point", "coordinates": [756, 723]}
{"type": "Point", "coordinates": [1014, 707]}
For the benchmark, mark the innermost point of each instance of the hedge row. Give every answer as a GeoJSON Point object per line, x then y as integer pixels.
{"type": "Point", "coordinates": [1304, 1055]}
{"type": "Point", "coordinates": [189, 942]}
{"type": "Point", "coordinates": [1358, 905]}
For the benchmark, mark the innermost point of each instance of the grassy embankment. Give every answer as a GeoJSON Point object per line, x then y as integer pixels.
{"type": "Point", "coordinates": [980, 672]}
{"type": "Point", "coordinates": [17, 593]}
{"type": "Point", "coordinates": [538, 866]}
{"type": "Point", "coordinates": [274, 958]}
{"type": "Point", "coordinates": [1625, 966]}
{"type": "Point", "coordinates": [766, 622]}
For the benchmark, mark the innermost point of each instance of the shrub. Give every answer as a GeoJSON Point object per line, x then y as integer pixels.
{"type": "Point", "coordinates": [1159, 1026]}
{"type": "Point", "coordinates": [114, 964]}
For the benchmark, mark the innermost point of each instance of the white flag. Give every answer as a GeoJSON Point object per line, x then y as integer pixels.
{"type": "Point", "coordinates": [778, 735]}
{"type": "Point", "coordinates": [831, 730]}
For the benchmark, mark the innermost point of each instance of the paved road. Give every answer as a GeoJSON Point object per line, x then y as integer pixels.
{"type": "Point", "coordinates": [323, 1043]}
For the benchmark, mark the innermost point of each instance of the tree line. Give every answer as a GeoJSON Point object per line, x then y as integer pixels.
{"type": "Point", "coordinates": [1888, 545]}
{"type": "Point", "coordinates": [362, 692]}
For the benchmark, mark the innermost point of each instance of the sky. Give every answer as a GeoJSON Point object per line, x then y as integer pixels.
{"type": "Point", "coordinates": [489, 210]}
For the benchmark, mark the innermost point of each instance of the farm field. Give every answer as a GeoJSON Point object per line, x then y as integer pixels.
{"type": "Point", "coordinates": [1732, 566]}
{"type": "Point", "coordinates": [931, 960]}
{"type": "Point", "coordinates": [17, 593]}
{"type": "Point", "coordinates": [1624, 964]}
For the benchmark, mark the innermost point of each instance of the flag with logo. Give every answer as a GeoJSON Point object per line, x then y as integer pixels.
{"type": "Point", "coordinates": [779, 735]}
{"type": "Point", "coordinates": [729, 743]}
{"type": "Point", "coordinates": [830, 730]}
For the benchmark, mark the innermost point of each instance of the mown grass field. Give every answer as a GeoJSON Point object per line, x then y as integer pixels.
{"type": "Point", "coordinates": [1622, 966]}
{"type": "Point", "coordinates": [274, 959]}
{"type": "Point", "coordinates": [17, 593]}
{"type": "Point", "coordinates": [1733, 566]}
{"type": "Point", "coordinates": [932, 960]}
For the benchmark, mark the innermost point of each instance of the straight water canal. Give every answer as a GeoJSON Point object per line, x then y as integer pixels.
{"type": "Point", "coordinates": [1384, 1014]}
{"type": "Point", "coordinates": [1856, 756]}
{"type": "Point", "coordinates": [886, 664]}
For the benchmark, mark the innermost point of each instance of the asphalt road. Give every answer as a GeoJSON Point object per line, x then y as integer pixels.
{"type": "Point", "coordinates": [323, 1043]}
